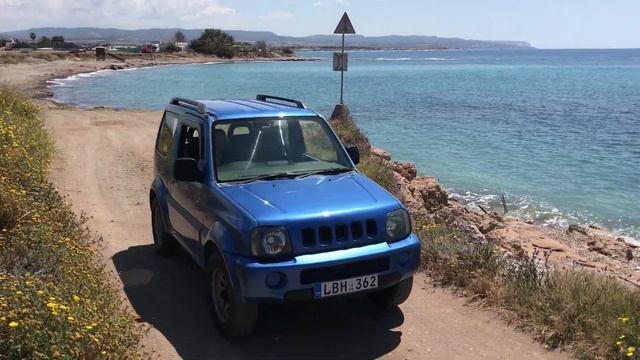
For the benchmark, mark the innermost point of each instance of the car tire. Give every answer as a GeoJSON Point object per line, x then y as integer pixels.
{"type": "Point", "coordinates": [231, 317]}
{"type": "Point", "coordinates": [164, 242]}
{"type": "Point", "coordinates": [394, 295]}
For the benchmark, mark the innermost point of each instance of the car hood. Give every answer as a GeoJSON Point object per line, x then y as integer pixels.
{"type": "Point", "coordinates": [314, 196]}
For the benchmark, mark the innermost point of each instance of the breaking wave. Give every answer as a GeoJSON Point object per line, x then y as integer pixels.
{"type": "Point", "coordinates": [540, 212]}
{"type": "Point", "coordinates": [412, 59]}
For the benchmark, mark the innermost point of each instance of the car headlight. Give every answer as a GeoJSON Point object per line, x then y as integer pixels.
{"type": "Point", "coordinates": [270, 242]}
{"type": "Point", "coordinates": [398, 225]}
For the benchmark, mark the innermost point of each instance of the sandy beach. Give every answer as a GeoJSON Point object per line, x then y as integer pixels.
{"type": "Point", "coordinates": [104, 166]}
{"type": "Point", "coordinates": [29, 74]}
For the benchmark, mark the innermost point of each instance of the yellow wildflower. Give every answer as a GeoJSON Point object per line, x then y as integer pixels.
{"type": "Point", "coordinates": [13, 324]}
{"type": "Point", "coordinates": [619, 342]}
{"type": "Point", "coordinates": [624, 319]}
{"type": "Point", "coordinates": [40, 292]}
{"type": "Point", "coordinates": [52, 305]}
{"type": "Point", "coordinates": [70, 318]}
{"type": "Point", "coordinates": [631, 349]}
{"type": "Point", "coordinates": [76, 298]}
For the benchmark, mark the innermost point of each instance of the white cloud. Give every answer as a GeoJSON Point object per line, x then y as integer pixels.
{"type": "Point", "coordinates": [19, 14]}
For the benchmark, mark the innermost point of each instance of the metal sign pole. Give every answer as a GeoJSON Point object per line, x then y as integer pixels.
{"type": "Point", "coordinates": [342, 73]}
{"type": "Point", "coordinates": [340, 61]}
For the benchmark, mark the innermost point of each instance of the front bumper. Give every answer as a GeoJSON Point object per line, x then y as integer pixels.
{"type": "Point", "coordinates": [255, 282]}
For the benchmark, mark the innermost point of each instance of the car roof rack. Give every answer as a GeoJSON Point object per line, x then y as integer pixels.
{"type": "Point", "coordinates": [202, 108]}
{"type": "Point", "coordinates": [280, 100]}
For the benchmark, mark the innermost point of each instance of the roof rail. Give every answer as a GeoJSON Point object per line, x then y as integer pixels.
{"type": "Point", "coordinates": [202, 108]}
{"type": "Point", "coordinates": [266, 98]}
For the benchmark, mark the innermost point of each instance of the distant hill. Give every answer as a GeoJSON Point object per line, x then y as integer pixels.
{"type": "Point", "coordinates": [119, 36]}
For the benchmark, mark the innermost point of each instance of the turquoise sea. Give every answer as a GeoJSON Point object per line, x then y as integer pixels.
{"type": "Point", "coordinates": [556, 131]}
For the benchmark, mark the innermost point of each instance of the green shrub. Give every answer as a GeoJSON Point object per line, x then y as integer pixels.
{"type": "Point", "coordinates": [172, 48]}
{"type": "Point", "coordinates": [351, 135]}
{"type": "Point", "coordinates": [214, 42]}
{"type": "Point", "coordinates": [56, 299]}
{"type": "Point", "coordinates": [376, 171]}
{"type": "Point", "coordinates": [594, 316]}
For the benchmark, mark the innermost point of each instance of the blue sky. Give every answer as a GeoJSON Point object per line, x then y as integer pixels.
{"type": "Point", "coordinates": [544, 23]}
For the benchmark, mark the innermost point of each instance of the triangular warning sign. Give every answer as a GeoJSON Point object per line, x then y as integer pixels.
{"type": "Point", "coordinates": [344, 26]}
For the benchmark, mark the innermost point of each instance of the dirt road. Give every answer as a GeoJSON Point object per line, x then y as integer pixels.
{"type": "Point", "coordinates": [104, 165]}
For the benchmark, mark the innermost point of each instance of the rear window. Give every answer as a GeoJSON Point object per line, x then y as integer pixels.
{"type": "Point", "coordinates": [166, 133]}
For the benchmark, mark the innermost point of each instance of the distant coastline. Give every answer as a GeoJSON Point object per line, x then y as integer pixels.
{"type": "Point", "coordinates": [325, 42]}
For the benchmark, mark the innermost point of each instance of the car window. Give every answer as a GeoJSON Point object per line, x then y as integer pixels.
{"type": "Point", "coordinates": [247, 148]}
{"type": "Point", "coordinates": [317, 142]}
{"type": "Point", "coordinates": [166, 133]}
{"type": "Point", "coordinates": [241, 130]}
{"type": "Point", "coordinates": [189, 145]}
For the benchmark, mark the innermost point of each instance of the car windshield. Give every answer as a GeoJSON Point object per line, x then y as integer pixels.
{"type": "Point", "coordinates": [247, 150]}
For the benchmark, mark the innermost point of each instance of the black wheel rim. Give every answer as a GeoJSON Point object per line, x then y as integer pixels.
{"type": "Point", "coordinates": [220, 295]}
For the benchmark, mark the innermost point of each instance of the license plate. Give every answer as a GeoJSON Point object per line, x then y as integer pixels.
{"type": "Point", "coordinates": [346, 286]}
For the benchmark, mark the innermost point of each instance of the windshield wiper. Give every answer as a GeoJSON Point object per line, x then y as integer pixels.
{"type": "Point", "coordinates": [331, 171]}
{"type": "Point", "coordinates": [267, 177]}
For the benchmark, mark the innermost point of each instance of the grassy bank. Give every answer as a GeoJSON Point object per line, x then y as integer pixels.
{"type": "Point", "coordinates": [593, 316]}
{"type": "Point", "coordinates": [56, 300]}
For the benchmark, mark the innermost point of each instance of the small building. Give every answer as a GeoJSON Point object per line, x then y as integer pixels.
{"type": "Point", "coordinates": [10, 44]}
{"type": "Point", "coordinates": [181, 45]}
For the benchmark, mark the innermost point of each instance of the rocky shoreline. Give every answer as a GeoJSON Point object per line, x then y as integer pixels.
{"type": "Point", "coordinates": [580, 246]}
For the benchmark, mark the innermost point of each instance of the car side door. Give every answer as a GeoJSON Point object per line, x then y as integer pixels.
{"type": "Point", "coordinates": [185, 207]}
{"type": "Point", "coordinates": [165, 152]}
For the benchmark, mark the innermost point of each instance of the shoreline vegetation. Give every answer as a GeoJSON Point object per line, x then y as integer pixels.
{"type": "Point", "coordinates": [571, 290]}
{"type": "Point", "coordinates": [56, 298]}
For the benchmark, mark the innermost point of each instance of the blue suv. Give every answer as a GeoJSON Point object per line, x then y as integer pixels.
{"type": "Point", "coordinates": [265, 198]}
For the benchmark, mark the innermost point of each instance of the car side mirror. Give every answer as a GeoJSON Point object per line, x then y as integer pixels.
{"type": "Point", "coordinates": [354, 154]}
{"type": "Point", "coordinates": [186, 169]}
